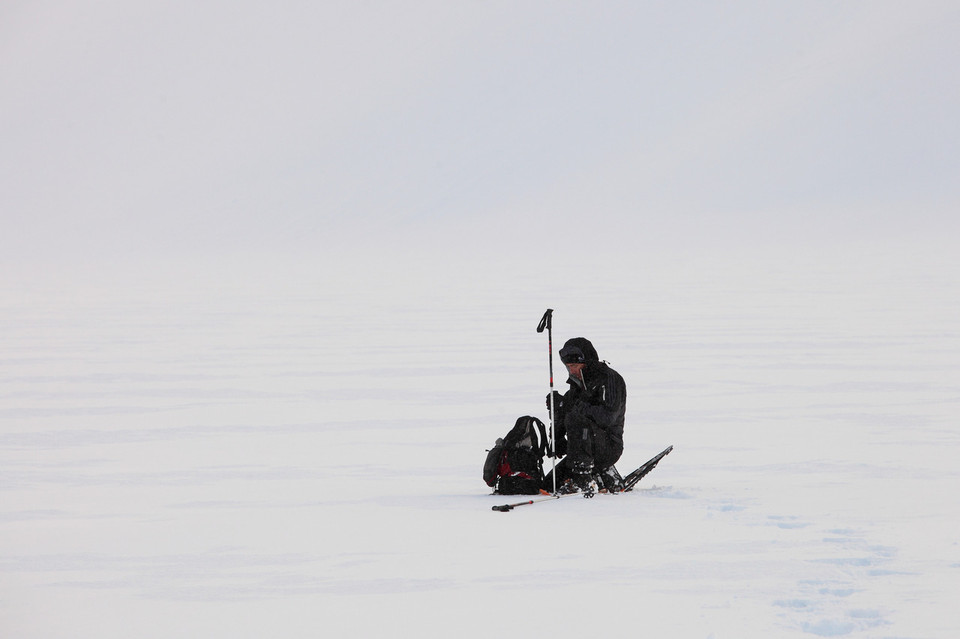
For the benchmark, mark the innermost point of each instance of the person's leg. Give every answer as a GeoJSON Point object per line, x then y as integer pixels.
{"type": "Point", "coordinates": [580, 445]}
{"type": "Point", "coordinates": [606, 453]}
{"type": "Point", "coordinates": [563, 474]}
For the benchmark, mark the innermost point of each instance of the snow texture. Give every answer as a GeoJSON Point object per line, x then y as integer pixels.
{"type": "Point", "coordinates": [270, 276]}
{"type": "Point", "coordinates": [244, 461]}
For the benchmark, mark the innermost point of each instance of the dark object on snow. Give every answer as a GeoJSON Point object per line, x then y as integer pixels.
{"type": "Point", "coordinates": [629, 482]}
{"type": "Point", "coordinates": [514, 466]}
{"type": "Point", "coordinates": [590, 415]}
{"type": "Point", "coordinates": [633, 478]}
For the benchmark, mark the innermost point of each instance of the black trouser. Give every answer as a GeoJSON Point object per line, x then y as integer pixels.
{"type": "Point", "coordinates": [587, 442]}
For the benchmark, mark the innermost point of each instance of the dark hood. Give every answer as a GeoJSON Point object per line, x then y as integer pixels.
{"type": "Point", "coordinates": [578, 349]}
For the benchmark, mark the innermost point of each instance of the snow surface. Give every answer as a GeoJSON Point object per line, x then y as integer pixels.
{"type": "Point", "coordinates": [270, 275]}
{"type": "Point", "coordinates": [292, 458]}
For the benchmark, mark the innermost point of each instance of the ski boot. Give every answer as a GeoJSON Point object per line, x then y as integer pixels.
{"type": "Point", "coordinates": [583, 478]}
{"type": "Point", "coordinates": [610, 480]}
{"type": "Point", "coordinates": [586, 485]}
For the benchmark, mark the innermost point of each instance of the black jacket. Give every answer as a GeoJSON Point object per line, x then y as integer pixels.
{"type": "Point", "coordinates": [602, 401]}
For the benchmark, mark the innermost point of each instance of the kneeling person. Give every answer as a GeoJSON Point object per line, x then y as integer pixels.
{"type": "Point", "coordinates": [589, 420]}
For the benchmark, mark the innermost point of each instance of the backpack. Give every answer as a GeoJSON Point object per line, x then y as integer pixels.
{"type": "Point", "coordinates": [514, 466]}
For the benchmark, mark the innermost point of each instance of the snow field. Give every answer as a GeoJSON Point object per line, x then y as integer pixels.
{"type": "Point", "coordinates": [238, 461]}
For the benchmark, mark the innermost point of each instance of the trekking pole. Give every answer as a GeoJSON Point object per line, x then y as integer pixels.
{"type": "Point", "coordinates": [546, 497]}
{"type": "Point", "coordinates": [547, 322]}
{"type": "Point", "coordinates": [508, 507]}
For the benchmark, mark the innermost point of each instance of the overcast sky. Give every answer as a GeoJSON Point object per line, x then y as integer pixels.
{"type": "Point", "coordinates": [167, 128]}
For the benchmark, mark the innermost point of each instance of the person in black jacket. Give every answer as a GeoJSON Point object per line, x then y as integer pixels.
{"type": "Point", "coordinates": [588, 421]}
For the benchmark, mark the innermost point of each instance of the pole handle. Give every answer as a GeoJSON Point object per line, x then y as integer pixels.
{"type": "Point", "coordinates": [546, 322]}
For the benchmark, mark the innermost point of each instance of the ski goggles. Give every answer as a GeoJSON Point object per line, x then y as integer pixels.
{"type": "Point", "coordinates": [572, 355]}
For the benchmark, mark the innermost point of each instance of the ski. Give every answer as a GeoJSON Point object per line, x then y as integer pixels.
{"type": "Point", "coordinates": [631, 480]}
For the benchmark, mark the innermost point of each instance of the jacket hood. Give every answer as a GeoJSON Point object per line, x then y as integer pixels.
{"type": "Point", "coordinates": [578, 350]}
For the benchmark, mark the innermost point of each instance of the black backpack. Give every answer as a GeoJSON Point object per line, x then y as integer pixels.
{"type": "Point", "coordinates": [514, 465]}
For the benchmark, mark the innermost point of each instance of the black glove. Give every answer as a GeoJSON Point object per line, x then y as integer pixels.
{"type": "Point", "coordinates": [557, 400]}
